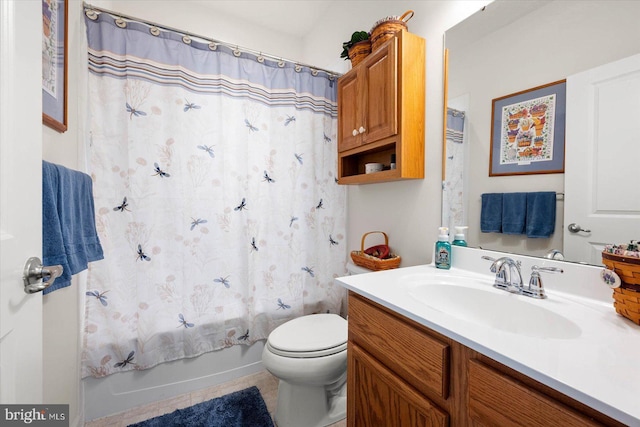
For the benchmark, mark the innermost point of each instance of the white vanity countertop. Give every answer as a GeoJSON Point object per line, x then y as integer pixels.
{"type": "Point", "coordinates": [597, 366]}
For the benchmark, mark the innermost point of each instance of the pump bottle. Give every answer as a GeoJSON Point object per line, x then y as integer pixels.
{"type": "Point", "coordinates": [443, 249]}
{"type": "Point", "coordinates": [458, 238]}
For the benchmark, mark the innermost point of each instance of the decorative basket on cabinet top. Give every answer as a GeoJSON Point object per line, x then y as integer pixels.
{"type": "Point", "coordinates": [385, 28]}
{"type": "Point", "coordinates": [359, 51]}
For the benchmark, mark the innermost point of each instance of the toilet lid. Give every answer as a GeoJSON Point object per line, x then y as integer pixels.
{"type": "Point", "coordinates": [314, 335]}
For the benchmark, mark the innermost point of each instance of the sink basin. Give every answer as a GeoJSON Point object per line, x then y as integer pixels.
{"type": "Point", "coordinates": [477, 302]}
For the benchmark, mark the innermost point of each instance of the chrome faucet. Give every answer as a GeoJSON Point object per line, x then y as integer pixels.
{"type": "Point", "coordinates": [508, 275]}
{"type": "Point", "coordinates": [554, 254]}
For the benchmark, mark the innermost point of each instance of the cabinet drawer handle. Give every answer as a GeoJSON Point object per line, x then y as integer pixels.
{"type": "Point", "coordinates": [361, 130]}
{"type": "Point", "coordinates": [355, 132]}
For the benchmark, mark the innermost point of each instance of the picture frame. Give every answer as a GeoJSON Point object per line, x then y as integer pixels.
{"type": "Point", "coordinates": [528, 131]}
{"type": "Point", "coordinates": [54, 63]}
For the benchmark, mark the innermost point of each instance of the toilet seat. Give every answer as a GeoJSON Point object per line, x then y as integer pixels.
{"type": "Point", "coordinates": [310, 336]}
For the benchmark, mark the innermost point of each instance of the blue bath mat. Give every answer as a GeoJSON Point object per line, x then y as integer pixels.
{"type": "Point", "coordinates": [244, 408]}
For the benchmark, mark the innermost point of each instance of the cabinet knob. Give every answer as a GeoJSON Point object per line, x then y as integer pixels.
{"type": "Point", "coordinates": [355, 132]}
{"type": "Point", "coordinates": [361, 130]}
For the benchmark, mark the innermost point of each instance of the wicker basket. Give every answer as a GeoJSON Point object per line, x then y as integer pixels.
{"type": "Point", "coordinates": [371, 262]}
{"type": "Point", "coordinates": [359, 51]}
{"type": "Point", "coordinates": [384, 29]}
{"type": "Point", "coordinates": [627, 296]}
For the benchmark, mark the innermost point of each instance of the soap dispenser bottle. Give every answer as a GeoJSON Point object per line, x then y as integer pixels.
{"type": "Point", "coordinates": [443, 249]}
{"type": "Point", "coordinates": [458, 239]}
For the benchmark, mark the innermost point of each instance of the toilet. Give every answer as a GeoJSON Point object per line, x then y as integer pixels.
{"type": "Point", "coordinates": [308, 355]}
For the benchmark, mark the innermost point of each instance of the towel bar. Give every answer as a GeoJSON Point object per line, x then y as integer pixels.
{"type": "Point", "coordinates": [559, 196]}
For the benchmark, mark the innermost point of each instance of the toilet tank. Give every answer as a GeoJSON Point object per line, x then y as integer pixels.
{"type": "Point", "coordinates": [352, 269]}
{"type": "Point", "coordinates": [356, 269]}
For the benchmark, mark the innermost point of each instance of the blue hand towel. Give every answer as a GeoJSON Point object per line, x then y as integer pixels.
{"type": "Point", "coordinates": [491, 213]}
{"type": "Point", "coordinates": [69, 236]}
{"type": "Point", "coordinates": [541, 214]}
{"type": "Point", "coordinates": [514, 213]}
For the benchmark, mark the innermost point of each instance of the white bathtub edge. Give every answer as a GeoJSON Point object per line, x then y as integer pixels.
{"type": "Point", "coordinates": [121, 392]}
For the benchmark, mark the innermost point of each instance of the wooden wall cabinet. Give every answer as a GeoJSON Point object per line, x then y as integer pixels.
{"type": "Point", "coordinates": [400, 373]}
{"type": "Point", "coordinates": [381, 104]}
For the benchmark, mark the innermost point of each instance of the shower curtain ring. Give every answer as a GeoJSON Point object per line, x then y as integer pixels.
{"type": "Point", "coordinates": [91, 14]}
{"type": "Point", "coordinates": [121, 22]}
{"type": "Point", "coordinates": [236, 52]}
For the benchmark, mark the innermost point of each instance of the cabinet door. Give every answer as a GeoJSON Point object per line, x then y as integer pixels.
{"type": "Point", "coordinates": [380, 79]}
{"type": "Point", "coordinates": [349, 120]}
{"type": "Point", "coordinates": [377, 397]}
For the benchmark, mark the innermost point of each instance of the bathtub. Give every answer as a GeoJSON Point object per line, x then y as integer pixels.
{"type": "Point", "coordinates": [125, 390]}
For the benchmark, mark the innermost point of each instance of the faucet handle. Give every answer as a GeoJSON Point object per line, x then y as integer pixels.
{"type": "Point", "coordinates": [536, 289]}
{"type": "Point", "coordinates": [536, 270]}
{"type": "Point", "coordinates": [492, 259]}
{"type": "Point", "coordinates": [497, 267]}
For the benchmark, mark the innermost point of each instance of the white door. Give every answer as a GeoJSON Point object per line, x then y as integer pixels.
{"type": "Point", "coordinates": [20, 199]}
{"type": "Point", "coordinates": [602, 166]}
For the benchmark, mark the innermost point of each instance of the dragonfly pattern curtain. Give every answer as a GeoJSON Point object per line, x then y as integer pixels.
{"type": "Point", "coordinates": [216, 196]}
{"type": "Point", "coordinates": [453, 209]}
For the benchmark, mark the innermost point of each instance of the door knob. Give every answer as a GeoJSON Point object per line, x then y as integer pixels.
{"type": "Point", "coordinates": [34, 272]}
{"type": "Point", "coordinates": [361, 130]}
{"type": "Point", "coordinates": [355, 132]}
{"type": "Point", "coordinates": [575, 228]}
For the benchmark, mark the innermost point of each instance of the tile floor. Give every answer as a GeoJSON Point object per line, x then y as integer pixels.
{"type": "Point", "coordinates": [266, 383]}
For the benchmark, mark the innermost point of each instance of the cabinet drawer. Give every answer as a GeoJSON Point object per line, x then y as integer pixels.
{"type": "Point", "coordinates": [496, 399]}
{"type": "Point", "coordinates": [419, 358]}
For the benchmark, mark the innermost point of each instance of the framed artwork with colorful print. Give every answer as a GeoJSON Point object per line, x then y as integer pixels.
{"type": "Point", "coordinates": [528, 131]}
{"type": "Point", "coordinates": [54, 64]}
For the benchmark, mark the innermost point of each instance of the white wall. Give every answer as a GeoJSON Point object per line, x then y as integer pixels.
{"type": "Point", "coordinates": [409, 212]}
{"type": "Point", "coordinates": [550, 43]}
{"type": "Point", "coordinates": [61, 309]}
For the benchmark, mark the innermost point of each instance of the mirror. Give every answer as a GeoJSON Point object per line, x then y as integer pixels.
{"type": "Point", "coordinates": [508, 47]}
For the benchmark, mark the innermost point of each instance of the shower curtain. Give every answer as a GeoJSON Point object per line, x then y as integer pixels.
{"type": "Point", "coordinates": [216, 196]}
{"type": "Point", "coordinates": [453, 186]}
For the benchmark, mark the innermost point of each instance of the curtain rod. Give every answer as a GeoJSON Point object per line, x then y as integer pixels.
{"type": "Point", "coordinates": [89, 7]}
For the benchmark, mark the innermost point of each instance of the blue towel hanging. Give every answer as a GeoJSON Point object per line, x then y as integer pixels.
{"type": "Point", "coordinates": [69, 236]}
{"type": "Point", "coordinates": [514, 213]}
{"type": "Point", "coordinates": [541, 214]}
{"type": "Point", "coordinates": [491, 213]}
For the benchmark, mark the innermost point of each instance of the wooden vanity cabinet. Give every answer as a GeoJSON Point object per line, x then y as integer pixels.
{"type": "Point", "coordinates": [400, 373]}
{"type": "Point", "coordinates": [381, 104]}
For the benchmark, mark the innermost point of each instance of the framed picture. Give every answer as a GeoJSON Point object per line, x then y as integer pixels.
{"type": "Point", "coordinates": [527, 131]}
{"type": "Point", "coordinates": [54, 64]}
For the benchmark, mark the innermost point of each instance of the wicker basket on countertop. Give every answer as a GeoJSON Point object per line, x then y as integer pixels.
{"type": "Point", "coordinates": [627, 296]}
{"type": "Point", "coordinates": [374, 263]}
